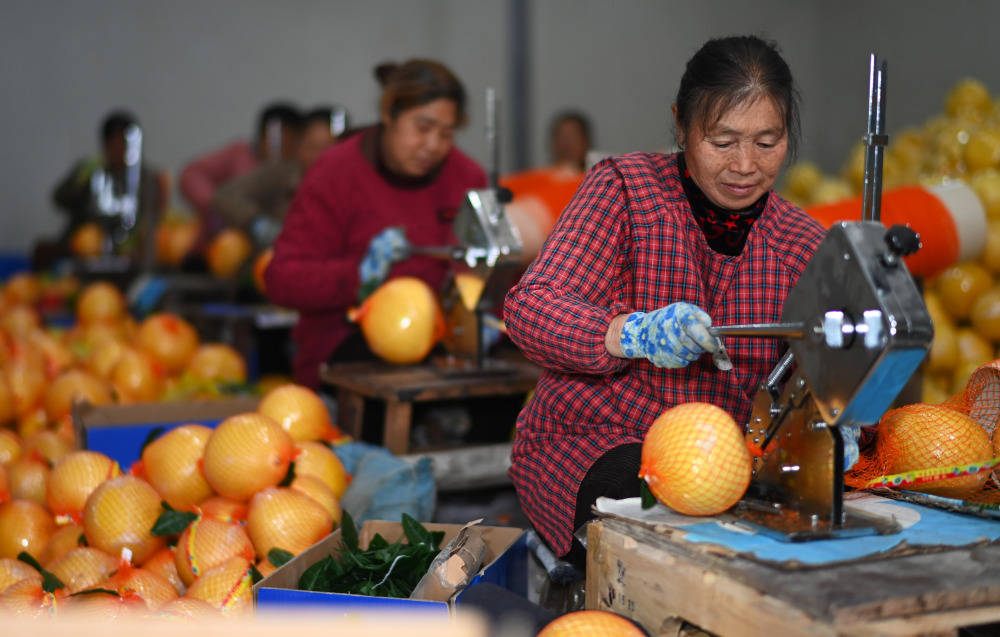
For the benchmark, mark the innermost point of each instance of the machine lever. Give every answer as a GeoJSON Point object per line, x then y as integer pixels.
{"type": "Point", "coordinates": [772, 330]}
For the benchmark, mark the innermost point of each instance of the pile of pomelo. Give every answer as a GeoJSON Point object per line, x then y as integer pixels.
{"type": "Point", "coordinates": [182, 532]}
{"type": "Point", "coordinates": [962, 142]}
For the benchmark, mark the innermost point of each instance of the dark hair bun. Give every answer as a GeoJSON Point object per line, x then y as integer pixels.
{"type": "Point", "coordinates": [384, 71]}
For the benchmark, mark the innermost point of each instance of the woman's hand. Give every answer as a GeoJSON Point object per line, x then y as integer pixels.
{"type": "Point", "coordinates": [385, 249]}
{"type": "Point", "coordinates": [671, 336]}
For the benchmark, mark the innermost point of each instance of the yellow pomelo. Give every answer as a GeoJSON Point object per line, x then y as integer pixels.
{"type": "Point", "coordinates": [401, 321]}
{"type": "Point", "coordinates": [84, 567]}
{"type": "Point", "coordinates": [87, 241]}
{"type": "Point", "coordinates": [316, 459]}
{"type": "Point", "coordinates": [227, 252]}
{"type": "Point", "coordinates": [120, 514]}
{"type": "Point", "coordinates": [71, 387]}
{"type": "Point", "coordinates": [171, 462]}
{"type": "Point", "coordinates": [13, 571]}
{"type": "Point", "coordinates": [218, 362]}
{"type": "Point", "coordinates": [206, 543]}
{"type": "Point", "coordinates": [26, 600]}
{"type": "Point", "coordinates": [164, 564]}
{"type": "Point", "coordinates": [136, 377]}
{"type": "Point", "coordinates": [227, 587]}
{"type": "Point", "coordinates": [695, 459]}
{"type": "Point", "coordinates": [931, 436]}
{"type": "Point", "coordinates": [186, 608]}
{"type": "Point", "coordinates": [223, 508]}
{"type": "Point", "coordinates": [318, 491]}
{"type": "Point", "coordinates": [10, 446]}
{"type": "Point", "coordinates": [286, 519]}
{"type": "Point", "coordinates": [245, 454]}
{"type": "Point", "coordinates": [959, 286]}
{"type": "Point", "coordinates": [299, 411]}
{"type": "Point", "coordinates": [150, 587]}
{"type": "Point", "coordinates": [74, 477]}
{"type": "Point", "coordinates": [49, 445]}
{"type": "Point", "coordinates": [24, 526]}
{"type": "Point", "coordinates": [100, 302]}
{"type": "Point", "coordinates": [27, 479]}
{"type": "Point", "coordinates": [64, 540]}
{"type": "Point", "coordinates": [169, 339]}
{"type": "Point", "coordinates": [597, 623]}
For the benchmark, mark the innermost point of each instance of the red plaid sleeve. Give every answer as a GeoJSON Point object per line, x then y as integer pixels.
{"type": "Point", "coordinates": [558, 313]}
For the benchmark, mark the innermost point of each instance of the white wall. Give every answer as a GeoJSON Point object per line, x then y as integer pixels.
{"type": "Point", "coordinates": [196, 72]}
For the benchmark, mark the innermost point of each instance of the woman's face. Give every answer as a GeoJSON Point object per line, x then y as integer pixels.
{"type": "Point", "coordinates": [739, 157]}
{"type": "Point", "coordinates": [419, 138]}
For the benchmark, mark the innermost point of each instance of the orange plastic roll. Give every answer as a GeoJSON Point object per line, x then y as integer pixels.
{"type": "Point", "coordinates": [949, 218]}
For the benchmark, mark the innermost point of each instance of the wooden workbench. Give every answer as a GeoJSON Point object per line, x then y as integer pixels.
{"type": "Point", "coordinates": [654, 577]}
{"type": "Point", "coordinates": [401, 386]}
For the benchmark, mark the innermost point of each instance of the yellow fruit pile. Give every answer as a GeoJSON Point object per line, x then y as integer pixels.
{"type": "Point", "coordinates": [91, 526]}
{"type": "Point", "coordinates": [963, 142]}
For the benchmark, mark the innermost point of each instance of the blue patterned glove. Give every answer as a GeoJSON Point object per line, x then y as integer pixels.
{"type": "Point", "coordinates": [850, 434]}
{"type": "Point", "coordinates": [671, 336]}
{"type": "Point", "coordinates": [385, 249]}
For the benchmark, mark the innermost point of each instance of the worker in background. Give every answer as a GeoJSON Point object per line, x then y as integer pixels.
{"type": "Point", "coordinates": [652, 250]}
{"type": "Point", "coordinates": [258, 200]}
{"type": "Point", "coordinates": [99, 190]}
{"type": "Point", "coordinates": [277, 137]}
{"type": "Point", "coordinates": [541, 194]}
{"type": "Point", "coordinates": [349, 226]}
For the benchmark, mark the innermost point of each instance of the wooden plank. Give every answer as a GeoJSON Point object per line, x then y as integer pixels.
{"type": "Point", "coordinates": [427, 382]}
{"type": "Point", "coordinates": [655, 588]}
{"type": "Point", "coordinates": [949, 585]}
{"type": "Point", "coordinates": [396, 435]}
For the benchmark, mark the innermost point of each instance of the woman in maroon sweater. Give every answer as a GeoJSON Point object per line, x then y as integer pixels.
{"type": "Point", "coordinates": [363, 200]}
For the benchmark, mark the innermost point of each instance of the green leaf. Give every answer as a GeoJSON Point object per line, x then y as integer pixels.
{"type": "Point", "coordinates": [437, 536]}
{"type": "Point", "coordinates": [93, 591]}
{"type": "Point", "coordinates": [172, 522]}
{"type": "Point", "coordinates": [348, 532]}
{"type": "Point", "coordinates": [255, 573]}
{"type": "Point", "coordinates": [289, 476]}
{"type": "Point", "coordinates": [415, 531]}
{"type": "Point", "coordinates": [315, 577]}
{"type": "Point", "coordinates": [279, 557]}
{"type": "Point", "coordinates": [153, 434]}
{"type": "Point", "coordinates": [378, 542]}
{"type": "Point", "coordinates": [82, 540]}
{"type": "Point", "coordinates": [648, 499]}
{"type": "Point", "coordinates": [49, 580]}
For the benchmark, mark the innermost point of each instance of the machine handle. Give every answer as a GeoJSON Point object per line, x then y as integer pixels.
{"type": "Point", "coordinates": [767, 330]}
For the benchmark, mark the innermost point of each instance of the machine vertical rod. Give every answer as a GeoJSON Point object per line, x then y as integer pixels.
{"type": "Point", "coordinates": [492, 147]}
{"type": "Point", "coordinates": [875, 140]}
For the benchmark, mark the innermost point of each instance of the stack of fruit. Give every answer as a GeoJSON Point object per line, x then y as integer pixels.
{"type": "Point", "coordinates": [964, 301]}
{"type": "Point", "coordinates": [185, 531]}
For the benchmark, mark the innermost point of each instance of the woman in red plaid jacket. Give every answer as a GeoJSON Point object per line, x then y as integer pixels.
{"type": "Point", "coordinates": [652, 249]}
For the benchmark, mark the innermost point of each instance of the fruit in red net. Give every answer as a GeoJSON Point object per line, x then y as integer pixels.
{"type": "Point", "coordinates": [591, 622]}
{"type": "Point", "coordinates": [401, 321]}
{"type": "Point", "coordinates": [218, 362]}
{"type": "Point", "coordinates": [171, 463]}
{"type": "Point", "coordinates": [930, 436]}
{"type": "Point", "coordinates": [120, 514]}
{"type": "Point", "coordinates": [695, 459]}
{"type": "Point", "coordinates": [169, 340]}
{"type": "Point", "coordinates": [227, 252]}
{"type": "Point", "coordinates": [100, 302]}
{"type": "Point", "coordinates": [205, 544]}
{"type": "Point", "coordinates": [299, 411]}
{"type": "Point", "coordinates": [24, 526]}
{"type": "Point", "coordinates": [245, 454]}
{"type": "Point", "coordinates": [286, 519]}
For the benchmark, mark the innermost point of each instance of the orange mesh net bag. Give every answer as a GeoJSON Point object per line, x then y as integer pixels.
{"type": "Point", "coordinates": [951, 449]}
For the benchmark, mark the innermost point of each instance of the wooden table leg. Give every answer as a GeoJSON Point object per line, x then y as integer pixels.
{"type": "Point", "coordinates": [350, 410]}
{"type": "Point", "coordinates": [396, 435]}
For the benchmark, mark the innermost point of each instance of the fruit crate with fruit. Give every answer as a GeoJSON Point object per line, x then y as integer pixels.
{"type": "Point", "coordinates": [504, 563]}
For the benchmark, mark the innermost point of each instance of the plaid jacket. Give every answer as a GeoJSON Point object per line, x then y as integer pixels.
{"type": "Point", "coordinates": [628, 242]}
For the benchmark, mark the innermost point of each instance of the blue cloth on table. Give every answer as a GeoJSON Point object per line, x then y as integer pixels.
{"type": "Point", "coordinates": [384, 486]}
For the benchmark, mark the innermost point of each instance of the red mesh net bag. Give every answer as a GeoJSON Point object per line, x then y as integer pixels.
{"type": "Point", "coordinates": [951, 449]}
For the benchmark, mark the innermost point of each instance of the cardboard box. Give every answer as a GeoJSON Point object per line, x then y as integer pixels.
{"type": "Point", "coordinates": [504, 564]}
{"type": "Point", "coordinates": [119, 431]}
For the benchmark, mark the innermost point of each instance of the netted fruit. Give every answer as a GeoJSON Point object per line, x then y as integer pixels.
{"type": "Point", "coordinates": [174, 240]}
{"type": "Point", "coordinates": [105, 356]}
{"type": "Point", "coordinates": [24, 526]}
{"type": "Point", "coordinates": [6, 402]}
{"type": "Point", "coordinates": [227, 587]}
{"type": "Point", "coordinates": [48, 444]}
{"type": "Point", "coordinates": [150, 587]}
{"type": "Point", "coordinates": [65, 539]}
{"type": "Point", "coordinates": [169, 340]}
{"type": "Point", "coordinates": [73, 478]}
{"type": "Point", "coordinates": [22, 288]}
{"type": "Point", "coordinates": [401, 321]}
{"type": "Point", "coordinates": [136, 377]}
{"type": "Point", "coordinates": [985, 315]}
{"type": "Point", "coordinates": [84, 567]}
{"type": "Point", "coordinates": [921, 436]}
{"type": "Point", "coordinates": [163, 564]}
{"type": "Point", "coordinates": [186, 608]}
{"type": "Point", "coordinates": [259, 267]}
{"type": "Point", "coordinates": [10, 446]}
{"type": "Point", "coordinates": [597, 623]}
{"type": "Point", "coordinates": [28, 478]}
{"type": "Point", "coordinates": [87, 241]}
{"type": "Point", "coordinates": [71, 387]}
{"type": "Point", "coordinates": [227, 252]}
{"type": "Point", "coordinates": [26, 599]}
{"type": "Point", "coordinates": [120, 514]}
{"type": "Point", "coordinates": [218, 362]}
{"type": "Point", "coordinates": [245, 454]}
{"type": "Point", "coordinates": [224, 509]}
{"type": "Point", "coordinates": [299, 411]}
{"type": "Point", "coordinates": [695, 459]}
{"type": "Point", "coordinates": [286, 519]}
{"type": "Point", "coordinates": [13, 571]}
{"type": "Point", "coordinates": [317, 459]}
{"type": "Point", "coordinates": [960, 285]}
{"type": "Point", "coordinates": [100, 302]}
{"type": "Point", "coordinates": [318, 491]}
{"type": "Point", "coordinates": [171, 464]}
{"type": "Point", "coordinates": [206, 543]}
